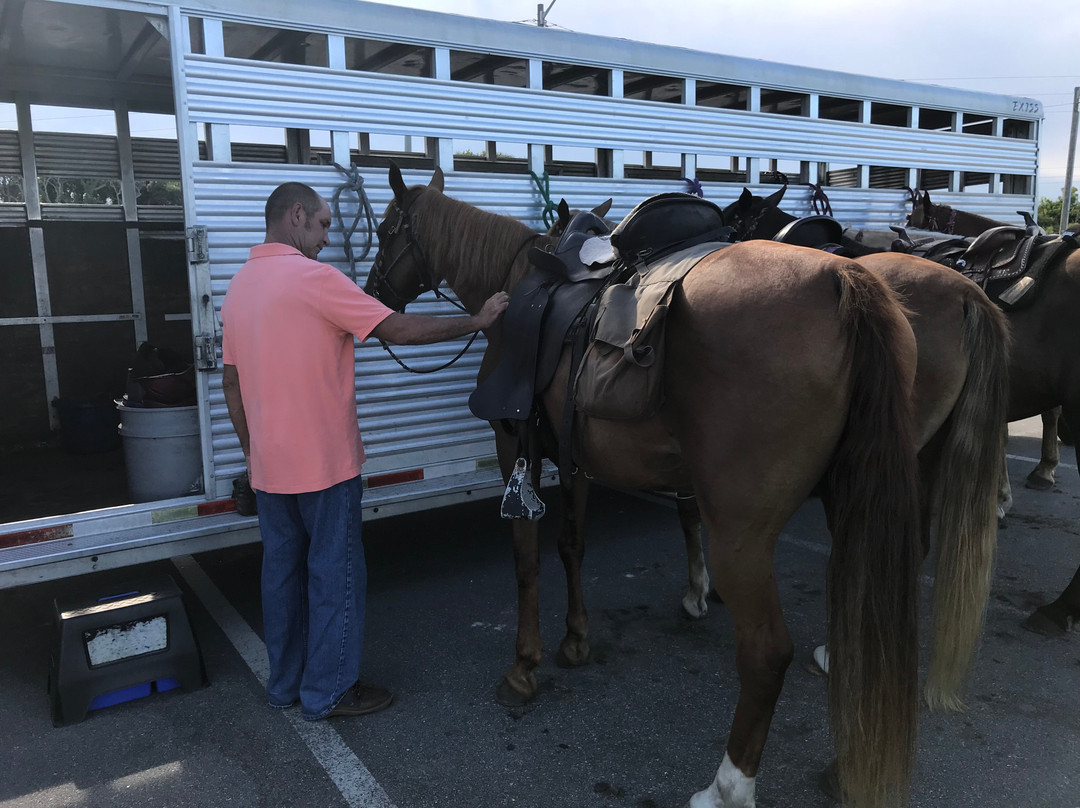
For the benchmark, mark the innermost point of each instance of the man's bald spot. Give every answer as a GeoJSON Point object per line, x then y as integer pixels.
{"type": "Point", "coordinates": [288, 194]}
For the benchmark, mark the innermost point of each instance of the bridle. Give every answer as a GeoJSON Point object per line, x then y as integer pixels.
{"type": "Point", "coordinates": [399, 220]}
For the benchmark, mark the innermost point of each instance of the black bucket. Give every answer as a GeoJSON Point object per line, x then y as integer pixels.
{"type": "Point", "coordinates": [88, 425]}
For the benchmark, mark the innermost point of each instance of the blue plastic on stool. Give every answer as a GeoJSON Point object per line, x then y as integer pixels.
{"type": "Point", "coordinates": [76, 685]}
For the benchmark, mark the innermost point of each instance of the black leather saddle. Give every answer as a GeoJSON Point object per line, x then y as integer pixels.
{"type": "Point", "coordinates": [667, 223]}
{"type": "Point", "coordinates": [820, 232]}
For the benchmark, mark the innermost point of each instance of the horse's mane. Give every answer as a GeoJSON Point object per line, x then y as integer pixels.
{"type": "Point", "coordinates": [473, 244]}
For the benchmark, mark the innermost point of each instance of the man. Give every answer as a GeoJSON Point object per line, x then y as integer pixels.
{"type": "Point", "coordinates": [289, 384]}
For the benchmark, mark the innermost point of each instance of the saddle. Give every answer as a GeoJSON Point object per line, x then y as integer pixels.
{"type": "Point", "coordinates": [542, 309]}
{"type": "Point", "coordinates": [667, 223]}
{"type": "Point", "coordinates": [820, 232]}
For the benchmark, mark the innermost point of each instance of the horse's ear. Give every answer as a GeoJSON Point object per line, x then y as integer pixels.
{"type": "Point", "coordinates": [436, 179]}
{"type": "Point", "coordinates": [746, 198]}
{"type": "Point", "coordinates": [602, 209]}
{"type": "Point", "coordinates": [774, 200]}
{"type": "Point", "coordinates": [397, 182]}
{"type": "Point", "coordinates": [563, 209]}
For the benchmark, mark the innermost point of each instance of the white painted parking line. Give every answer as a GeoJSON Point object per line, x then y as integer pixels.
{"type": "Point", "coordinates": [348, 773]}
{"type": "Point", "coordinates": [1036, 460]}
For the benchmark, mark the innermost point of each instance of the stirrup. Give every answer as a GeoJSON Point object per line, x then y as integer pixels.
{"type": "Point", "coordinates": [520, 500]}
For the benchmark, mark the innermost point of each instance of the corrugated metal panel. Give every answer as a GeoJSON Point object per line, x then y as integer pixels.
{"type": "Point", "coordinates": [82, 213]}
{"type": "Point", "coordinates": [231, 91]}
{"type": "Point", "coordinates": [161, 213]}
{"type": "Point", "coordinates": [60, 154]}
{"type": "Point", "coordinates": [399, 412]}
{"type": "Point", "coordinates": [12, 214]}
{"type": "Point", "coordinates": [10, 159]}
{"type": "Point", "coordinates": [155, 159]}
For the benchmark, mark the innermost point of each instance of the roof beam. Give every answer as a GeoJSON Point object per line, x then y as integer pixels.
{"type": "Point", "coordinates": [147, 38]}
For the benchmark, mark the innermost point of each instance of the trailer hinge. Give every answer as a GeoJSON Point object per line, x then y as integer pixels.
{"type": "Point", "coordinates": [198, 251]}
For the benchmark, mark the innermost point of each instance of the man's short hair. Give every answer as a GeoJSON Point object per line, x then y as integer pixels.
{"type": "Point", "coordinates": [288, 194]}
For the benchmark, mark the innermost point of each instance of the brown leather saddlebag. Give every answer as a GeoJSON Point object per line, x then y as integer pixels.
{"type": "Point", "coordinates": [621, 374]}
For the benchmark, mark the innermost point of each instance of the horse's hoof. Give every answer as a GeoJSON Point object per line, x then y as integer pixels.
{"type": "Point", "coordinates": [829, 783]}
{"type": "Point", "coordinates": [508, 696]}
{"type": "Point", "coordinates": [694, 607]}
{"type": "Point", "coordinates": [577, 659]}
{"type": "Point", "coordinates": [1041, 622]}
{"type": "Point", "coordinates": [1039, 483]}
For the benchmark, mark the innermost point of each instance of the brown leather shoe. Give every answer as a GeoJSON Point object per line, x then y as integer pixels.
{"type": "Point", "coordinates": [362, 699]}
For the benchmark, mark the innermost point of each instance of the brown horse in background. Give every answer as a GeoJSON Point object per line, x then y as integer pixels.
{"type": "Point", "coordinates": [788, 371]}
{"type": "Point", "coordinates": [1044, 371]}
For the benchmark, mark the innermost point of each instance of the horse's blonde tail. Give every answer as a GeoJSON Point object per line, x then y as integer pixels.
{"type": "Point", "coordinates": [871, 497]}
{"type": "Point", "coordinates": [965, 499]}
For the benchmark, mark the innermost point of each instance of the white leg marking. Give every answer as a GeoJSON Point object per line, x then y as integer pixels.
{"type": "Point", "coordinates": [821, 657]}
{"type": "Point", "coordinates": [730, 789]}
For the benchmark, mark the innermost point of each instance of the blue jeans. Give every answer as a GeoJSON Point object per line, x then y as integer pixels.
{"type": "Point", "coordinates": [314, 585]}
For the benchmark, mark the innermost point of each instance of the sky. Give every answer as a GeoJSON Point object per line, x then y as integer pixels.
{"type": "Point", "coordinates": [996, 46]}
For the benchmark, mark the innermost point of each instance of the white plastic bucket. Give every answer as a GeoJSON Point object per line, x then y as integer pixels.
{"type": "Point", "coordinates": [162, 451]}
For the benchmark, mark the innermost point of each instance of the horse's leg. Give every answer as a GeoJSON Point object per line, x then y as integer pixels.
{"type": "Point", "coordinates": [574, 648]}
{"type": "Point", "coordinates": [1054, 619]}
{"type": "Point", "coordinates": [763, 652]}
{"type": "Point", "coordinates": [1004, 497]}
{"type": "Point", "coordinates": [694, 601]}
{"type": "Point", "coordinates": [1042, 477]}
{"type": "Point", "coordinates": [518, 685]}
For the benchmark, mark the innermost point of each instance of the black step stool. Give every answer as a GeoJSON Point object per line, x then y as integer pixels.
{"type": "Point", "coordinates": [118, 646]}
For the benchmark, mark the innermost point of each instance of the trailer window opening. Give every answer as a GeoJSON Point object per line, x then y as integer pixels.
{"type": "Point", "coordinates": [489, 68]}
{"type": "Point", "coordinates": [936, 120]}
{"type": "Point", "coordinates": [782, 172]}
{"type": "Point", "coordinates": [717, 95]}
{"type": "Point", "coordinates": [652, 164]}
{"type": "Point", "coordinates": [889, 115]}
{"type": "Point", "coordinates": [784, 102]}
{"type": "Point", "coordinates": [491, 156]}
{"type": "Point", "coordinates": [650, 87]}
{"type": "Point", "coordinates": [888, 177]}
{"type": "Point", "coordinates": [1016, 184]}
{"type": "Point", "coordinates": [978, 124]}
{"type": "Point", "coordinates": [1022, 130]}
{"type": "Point", "coordinates": [932, 179]}
{"type": "Point", "coordinates": [581, 79]}
{"type": "Point", "coordinates": [831, 108]}
{"type": "Point", "coordinates": [573, 161]}
{"type": "Point", "coordinates": [195, 27]}
{"type": "Point", "coordinates": [395, 58]}
{"type": "Point", "coordinates": [975, 182]}
{"type": "Point", "coordinates": [720, 168]}
{"type": "Point", "coordinates": [279, 45]}
{"type": "Point", "coordinates": [842, 176]}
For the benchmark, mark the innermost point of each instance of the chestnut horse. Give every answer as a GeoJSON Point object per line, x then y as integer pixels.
{"type": "Point", "coordinates": [767, 345]}
{"type": "Point", "coordinates": [1043, 370]}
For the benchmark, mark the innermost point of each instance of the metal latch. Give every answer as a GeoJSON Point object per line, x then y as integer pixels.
{"type": "Point", "coordinates": [198, 251]}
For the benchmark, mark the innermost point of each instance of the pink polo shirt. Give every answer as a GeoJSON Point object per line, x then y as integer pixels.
{"type": "Point", "coordinates": [288, 326]}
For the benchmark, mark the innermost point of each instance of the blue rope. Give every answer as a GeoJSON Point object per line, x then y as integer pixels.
{"type": "Point", "coordinates": [543, 184]}
{"type": "Point", "coordinates": [355, 183]}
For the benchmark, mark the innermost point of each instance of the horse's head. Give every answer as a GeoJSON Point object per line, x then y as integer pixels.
{"type": "Point", "coordinates": [402, 272]}
{"type": "Point", "coordinates": [566, 214]}
{"type": "Point", "coordinates": [921, 210]}
{"type": "Point", "coordinates": [756, 216]}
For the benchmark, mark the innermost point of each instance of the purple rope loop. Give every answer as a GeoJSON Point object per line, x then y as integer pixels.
{"type": "Point", "coordinates": [695, 186]}
{"type": "Point", "coordinates": [819, 201]}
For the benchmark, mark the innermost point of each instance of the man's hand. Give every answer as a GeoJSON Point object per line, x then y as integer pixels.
{"type": "Point", "coordinates": [492, 310]}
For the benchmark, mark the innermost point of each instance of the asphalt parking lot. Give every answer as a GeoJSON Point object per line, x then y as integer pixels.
{"type": "Point", "coordinates": [644, 726]}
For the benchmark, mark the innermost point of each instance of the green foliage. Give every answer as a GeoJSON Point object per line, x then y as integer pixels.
{"type": "Point", "coordinates": [160, 192]}
{"type": "Point", "coordinates": [79, 190]}
{"type": "Point", "coordinates": [11, 189]}
{"type": "Point", "coordinates": [1050, 211]}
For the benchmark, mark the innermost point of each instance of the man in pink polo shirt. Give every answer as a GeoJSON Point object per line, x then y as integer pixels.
{"type": "Point", "coordinates": [289, 383]}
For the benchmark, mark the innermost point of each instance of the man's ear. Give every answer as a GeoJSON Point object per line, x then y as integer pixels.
{"type": "Point", "coordinates": [297, 215]}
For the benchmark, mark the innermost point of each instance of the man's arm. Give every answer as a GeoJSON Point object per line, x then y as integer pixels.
{"type": "Point", "coordinates": [230, 384]}
{"type": "Point", "coordinates": [422, 329]}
